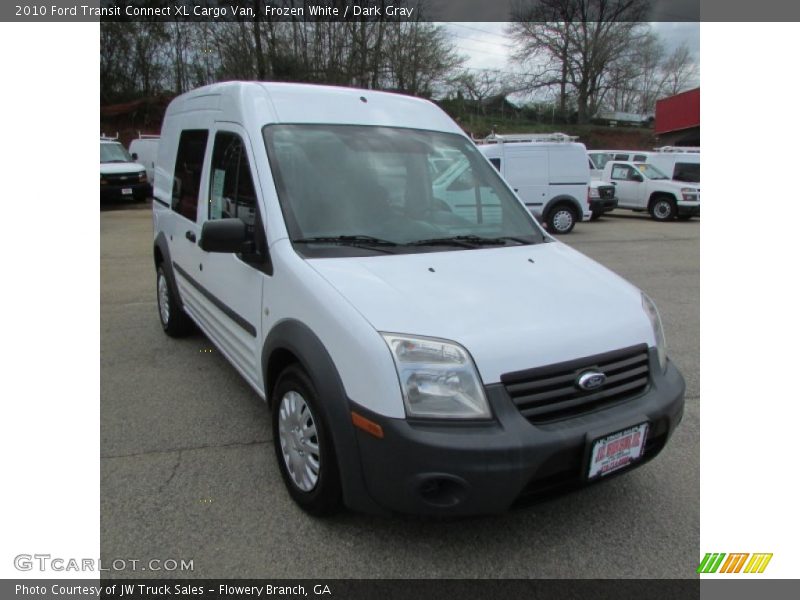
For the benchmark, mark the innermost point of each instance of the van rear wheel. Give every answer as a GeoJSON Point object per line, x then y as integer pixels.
{"type": "Point", "coordinates": [561, 219]}
{"type": "Point", "coordinates": [303, 445]}
{"type": "Point", "coordinates": [173, 320]}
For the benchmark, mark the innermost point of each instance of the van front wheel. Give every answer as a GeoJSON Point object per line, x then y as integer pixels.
{"type": "Point", "coordinates": [303, 446]}
{"type": "Point", "coordinates": [561, 219]}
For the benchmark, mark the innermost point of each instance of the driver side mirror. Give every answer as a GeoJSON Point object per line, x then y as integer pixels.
{"type": "Point", "coordinates": [637, 177]}
{"type": "Point", "coordinates": [135, 156]}
{"type": "Point", "coordinates": [226, 236]}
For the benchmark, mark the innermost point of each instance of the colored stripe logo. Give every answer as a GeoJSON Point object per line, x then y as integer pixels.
{"type": "Point", "coordinates": [719, 562]}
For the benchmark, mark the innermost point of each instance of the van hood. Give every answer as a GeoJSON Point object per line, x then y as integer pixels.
{"type": "Point", "coordinates": [512, 308]}
{"type": "Point", "coordinates": [123, 167]}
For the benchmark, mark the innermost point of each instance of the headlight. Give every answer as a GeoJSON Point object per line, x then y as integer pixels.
{"type": "Point", "coordinates": [143, 176]}
{"type": "Point", "coordinates": [438, 379]}
{"type": "Point", "coordinates": [690, 194]}
{"type": "Point", "coordinates": [658, 330]}
{"type": "Point", "coordinates": [594, 192]}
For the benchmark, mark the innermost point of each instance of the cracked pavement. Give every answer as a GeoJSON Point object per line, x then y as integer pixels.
{"type": "Point", "coordinates": [188, 470]}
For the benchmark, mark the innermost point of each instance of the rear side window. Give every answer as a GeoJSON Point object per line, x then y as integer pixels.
{"type": "Point", "coordinates": [188, 169]}
{"type": "Point", "coordinates": [495, 162]}
{"type": "Point", "coordinates": [639, 157]}
{"type": "Point", "coordinates": [687, 172]}
{"type": "Point", "coordinates": [232, 194]}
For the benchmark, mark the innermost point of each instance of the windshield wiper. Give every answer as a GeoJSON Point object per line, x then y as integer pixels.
{"type": "Point", "coordinates": [467, 241]}
{"type": "Point", "coordinates": [345, 239]}
{"type": "Point", "coordinates": [367, 242]}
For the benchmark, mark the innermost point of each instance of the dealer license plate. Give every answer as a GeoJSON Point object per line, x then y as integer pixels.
{"type": "Point", "coordinates": [127, 191]}
{"type": "Point", "coordinates": [617, 451]}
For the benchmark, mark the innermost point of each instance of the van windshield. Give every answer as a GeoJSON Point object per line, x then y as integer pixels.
{"type": "Point", "coordinates": [351, 189]}
{"type": "Point", "coordinates": [110, 153]}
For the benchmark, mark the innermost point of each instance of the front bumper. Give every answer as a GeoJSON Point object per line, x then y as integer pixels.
{"type": "Point", "coordinates": [691, 209]}
{"type": "Point", "coordinates": [603, 205]}
{"type": "Point", "coordinates": [480, 468]}
{"type": "Point", "coordinates": [138, 191]}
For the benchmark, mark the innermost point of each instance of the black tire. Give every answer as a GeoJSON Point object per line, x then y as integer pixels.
{"type": "Point", "coordinates": [561, 219]}
{"type": "Point", "coordinates": [684, 217]}
{"type": "Point", "coordinates": [174, 321]}
{"type": "Point", "coordinates": [663, 208]}
{"type": "Point", "coordinates": [323, 496]}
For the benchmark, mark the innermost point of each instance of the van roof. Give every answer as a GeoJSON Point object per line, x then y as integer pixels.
{"type": "Point", "coordinates": [253, 103]}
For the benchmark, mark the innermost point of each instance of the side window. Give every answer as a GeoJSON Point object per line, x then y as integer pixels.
{"type": "Point", "coordinates": [639, 158]}
{"type": "Point", "coordinates": [231, 194]}
{"type": "Point", "coordinates": [188, 169]}
{"type": "Point", "coordinates": [620, 172]}
{"type": "Point", "coordinates": [689, 172]}
{"type": "Point", "coordinates": [621, 157]}
{"type": "Point", "coordinates": [495, 162]}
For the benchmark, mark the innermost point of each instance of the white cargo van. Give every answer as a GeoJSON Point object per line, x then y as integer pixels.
{"type": "Point", "coordinates": [548, 172]}
{"type": "Point", "coordinates": [677, 162]}
{"type": "Point", "coordinates": [144, 150]}
{"type": "Point", "coordinates": [415, 358]}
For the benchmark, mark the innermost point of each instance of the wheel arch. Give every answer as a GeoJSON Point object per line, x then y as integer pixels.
{"type": "Point", "coordinates": [292, 342]}
{"type": "Point", "coordinates": [658, 195]}
{"type": "Point", "coordinates": [563, 199]}
{"type": "Point", "coordinates": [162, 257]}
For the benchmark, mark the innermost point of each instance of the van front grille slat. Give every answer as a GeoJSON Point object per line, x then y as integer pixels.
{"type": "Point", "coordinates": [552, 392]}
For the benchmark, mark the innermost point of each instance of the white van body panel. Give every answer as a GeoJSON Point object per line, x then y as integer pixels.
{"type": "Point", "coordinates": [146, 150]}
{"type": "Point", "coordinates": [493, 320]}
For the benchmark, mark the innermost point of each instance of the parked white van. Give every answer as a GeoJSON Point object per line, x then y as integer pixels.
{"type": "Point", "coordinates": [548, 172]}
{"type": "Point", "coordinates": [144, 150]}
{"type": "Point", "coordinates": [679, 163]}
{"type": "Point", "coordinates": [415, 358]}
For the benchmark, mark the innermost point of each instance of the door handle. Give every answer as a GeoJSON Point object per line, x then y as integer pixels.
{"type": "Point", "coordinates": [191, 236]}
{"type": "Point", "coordinates": [516, 189]}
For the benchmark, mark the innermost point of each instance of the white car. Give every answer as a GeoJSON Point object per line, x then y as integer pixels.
{"type": "Point", "coordinates": [643, 187]}
{"type": "Point", "coordinates": [415, 358]}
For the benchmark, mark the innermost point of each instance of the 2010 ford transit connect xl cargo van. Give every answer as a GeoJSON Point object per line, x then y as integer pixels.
{"type": "Point", "coordinates": [416, 358]}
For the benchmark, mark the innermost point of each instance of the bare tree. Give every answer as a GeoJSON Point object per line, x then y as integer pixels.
{"type": "Point", "coordinates": [679, 70]}
{"type": "Point", "coordinates": [574, 43]}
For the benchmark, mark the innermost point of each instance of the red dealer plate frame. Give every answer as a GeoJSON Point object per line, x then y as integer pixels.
{"type": "Point", "coordinates": [617, 450]}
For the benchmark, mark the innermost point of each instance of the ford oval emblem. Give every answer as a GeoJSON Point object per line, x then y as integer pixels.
{"type": "Point", "coordinates": [591, 380]}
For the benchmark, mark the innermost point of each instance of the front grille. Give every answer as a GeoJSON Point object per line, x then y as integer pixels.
{"type": "Point", "coordinates": [122, 178]}
{"type": "Point", "coordinates": [550, 393]}
{"type": "Point", "coordinates": [606, 191]}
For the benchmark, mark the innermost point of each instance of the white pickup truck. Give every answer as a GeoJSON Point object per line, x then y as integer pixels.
{"type": "Point", "coordinates": [643, 187]}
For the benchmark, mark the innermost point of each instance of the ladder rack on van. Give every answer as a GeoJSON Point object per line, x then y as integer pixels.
{"type": "Point", "coordinates": [688, 149]}
{"type": "Point", "coordinates": [148, 136]}
{"type": "Point", "coordinates": [496, 138]}
{"type": "Point", "coordinates": [108, 138]}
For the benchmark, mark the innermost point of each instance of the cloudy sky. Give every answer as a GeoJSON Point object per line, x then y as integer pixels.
{"type": "Point", "coordinates": [488, 47]}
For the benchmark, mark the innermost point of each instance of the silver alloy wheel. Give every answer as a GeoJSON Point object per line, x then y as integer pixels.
{"type": "Point", "coordinates": [662, 209]}
{"type": "Point", "coordinates": [299, 442]}
{"type": "Point", "coordinates": [163, 298]}
{"type": "Point", "coordinates": [562, 220]}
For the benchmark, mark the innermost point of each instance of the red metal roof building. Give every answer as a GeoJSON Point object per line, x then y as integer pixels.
{"type": "Point", "coordinates": [678, 119]}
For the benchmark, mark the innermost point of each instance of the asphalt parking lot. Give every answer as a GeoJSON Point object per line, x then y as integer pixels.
{"type": "Point", "coordinates": [188, 470]}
